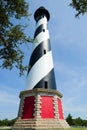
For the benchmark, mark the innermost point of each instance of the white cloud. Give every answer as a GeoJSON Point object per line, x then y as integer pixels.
{"type": "Point", "coordinates": [9, 102]}
{"type": "Point", "coordinates": [8, 94]}
{"type": "Point", "coordinates": [6, 97]}
{"type": "Point", "coordinates": [72, 82]}
{"type": "Point", "coordinates": [75, 109]}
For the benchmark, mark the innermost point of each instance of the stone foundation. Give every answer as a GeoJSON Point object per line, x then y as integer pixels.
{"type": "Point", "coordinates": [23, 124]}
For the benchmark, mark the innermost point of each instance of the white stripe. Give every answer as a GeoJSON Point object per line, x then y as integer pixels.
{"type": "Point", "coordinates": [40, 69]}
{"type": "Point", "coordinates": [41, 21]}
{"type": "Point", "coordinates": [41, 37]}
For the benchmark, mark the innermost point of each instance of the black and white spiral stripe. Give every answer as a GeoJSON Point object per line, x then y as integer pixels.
{"type": "Point", "coordinates": [41, 71]}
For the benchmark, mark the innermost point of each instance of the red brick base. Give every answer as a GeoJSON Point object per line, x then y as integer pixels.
{"type": "Point", "coordinates": [40, 109]}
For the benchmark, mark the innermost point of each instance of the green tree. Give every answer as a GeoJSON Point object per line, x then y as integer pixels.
{"type": "Point", "coordinates": [69, 119]}
{"type": "Point", "coordinates": [80, 6]}
{"type": "Point", "coordinates": [4, 122]}
{"type": "Point", "coordinates": [11, 122]}
{"type": "Point", "coordinates": [0, 122]}
{"type": "Point", "coordinates": [84, 123]}
{"type": "Point", "coordinates": [12, 35]}
{"type": "Point", "coordinates": [78, 121]}
{"type": "Point", "coordinates": [7, 122]}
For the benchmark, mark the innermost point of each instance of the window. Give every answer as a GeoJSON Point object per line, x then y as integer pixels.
{"type": "Point", "coordinates": [44, 51]}
{"type": "Point", "coordinates": [43, 30]}
{"type": "Point", "coordinates": [45, 84]}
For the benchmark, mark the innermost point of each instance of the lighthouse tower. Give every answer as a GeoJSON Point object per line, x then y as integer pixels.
{"type": "Point", "coordinates": [41, 70]}
{"type": "Point", "coordinates": [40, 104]}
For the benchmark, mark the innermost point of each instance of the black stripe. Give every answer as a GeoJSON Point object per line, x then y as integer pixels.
{"type": "Point", "coordinates": [50, 79]}
{"type": "Point", "coordinates": [41, 28]}
{"type": "Point", "coordinates": [39, 52]}
{"type": "Point", "coordinates": [39, 17]}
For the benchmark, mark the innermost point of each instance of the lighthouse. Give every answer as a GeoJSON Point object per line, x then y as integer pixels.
{"type": "Point", "coordinates": [40, 103]}
{"type": "Point", "coordinates": [41, 69]}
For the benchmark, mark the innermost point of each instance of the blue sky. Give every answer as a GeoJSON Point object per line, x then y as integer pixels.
{"type": "Point", "coordinates": [69, 47]}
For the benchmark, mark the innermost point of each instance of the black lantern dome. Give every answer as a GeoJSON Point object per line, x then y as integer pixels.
{"type": "Point", "coordinates": [41, 12]}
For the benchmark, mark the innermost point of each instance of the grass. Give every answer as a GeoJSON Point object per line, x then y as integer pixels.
{"type": "Point", "coordinates": [5, 129]}
{"type": "Point", "coordinates": [61, 129]}
{"type": "Point", "coordinates": [74, 129]}
{"type": "Point", "coordinates": [78, 129]}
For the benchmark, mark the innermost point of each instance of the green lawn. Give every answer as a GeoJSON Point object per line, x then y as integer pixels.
{"type": "Point", "coordinates": [74, 129]}
{"type": "Point", "coordinates": [77, 129]}
{"type": "Point", "coordinates": [5, 129]}
{"type": "Point", "coordinates": [61, 129]}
